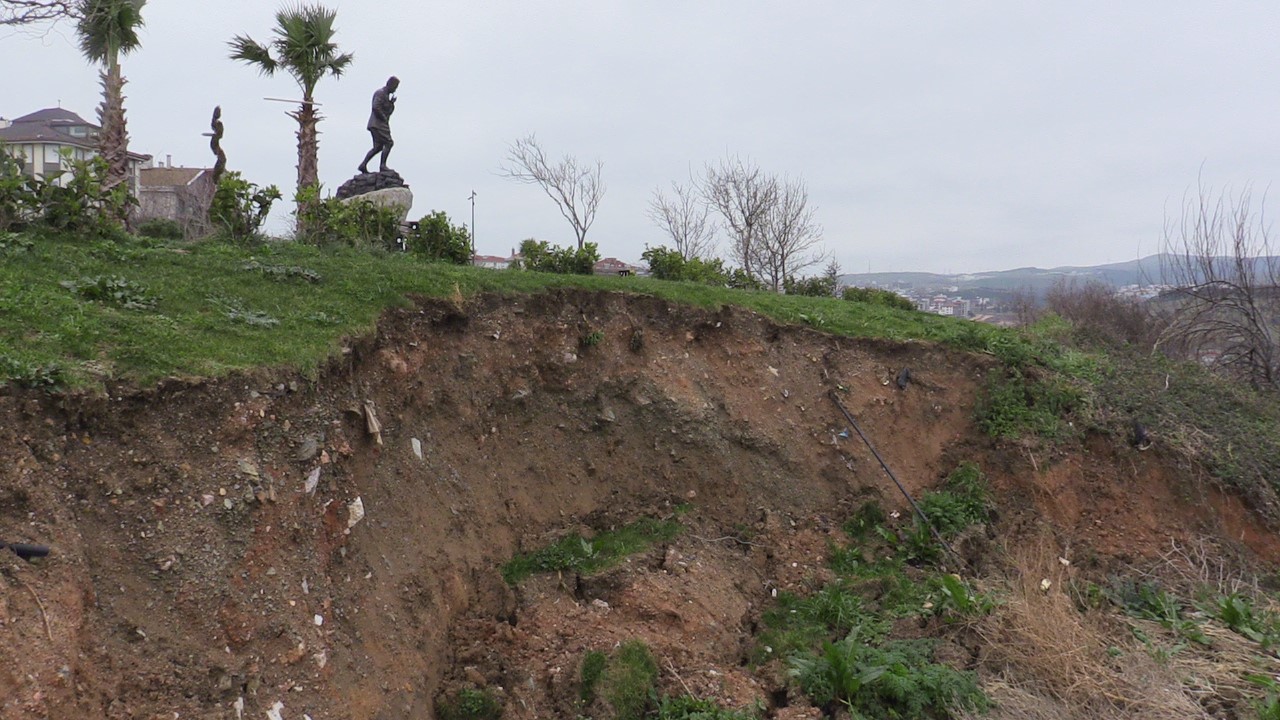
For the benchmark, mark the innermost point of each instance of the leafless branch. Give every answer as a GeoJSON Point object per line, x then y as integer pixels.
{"type": "Point", "coordinates": [742, 194]}
{"type": "Point", "coordinates": [32, 12]}
{"type": "Point", "coordinates": [1226, 298]}
{"type": "Point", "coordinates": [575, 188]}
{"type": "Point", "coordinates": [686, 218]}
{"type": "Point", "coordinates": [789, 237]}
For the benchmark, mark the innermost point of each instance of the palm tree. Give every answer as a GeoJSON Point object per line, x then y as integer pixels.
{"type": "Point", "coordinates": [107, 30]}
{"type": "Point", "coordinates": [304, 48]}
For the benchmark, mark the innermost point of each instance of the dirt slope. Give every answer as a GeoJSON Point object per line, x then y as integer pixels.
{"type": "Point", "coordinates": [191, 571]}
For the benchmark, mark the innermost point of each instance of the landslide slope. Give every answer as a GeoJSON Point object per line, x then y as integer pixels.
{"type": "Point", "coordinates": [192, 572]}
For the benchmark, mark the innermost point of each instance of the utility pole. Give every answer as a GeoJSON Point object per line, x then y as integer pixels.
{"type": "Point", "coordinates": [472, 198]}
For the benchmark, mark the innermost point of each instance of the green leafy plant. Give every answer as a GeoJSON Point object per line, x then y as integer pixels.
{"type": "Point", "coordinates": [956, 598]}
{"type": "Point", "coordinates": [436, 238]}
{"type": "Point", "coordinates": [541, 256]}
{"type": "Point", "coordinates": [816, 286]}
{"type": "Point", "coordinates": [283, 272]}
{"type": "Point", "coordinates": [112, 289]}
{"type": "Point", "coordinates": [667, 264]}
{"type": "Point", "coordinates": [239, 208]}
{"type": "Point", "coordinates": [353, 222]}
{"type": "Point", "coordinates": [896, 680]}
{"type": "Point", "coordinates": [592, 339]}
{"type": "Point", "coordinates": [469, 704]}
{"type": "Point", "coordinates": [13, 242]}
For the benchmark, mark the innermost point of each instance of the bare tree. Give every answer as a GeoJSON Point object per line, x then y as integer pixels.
{"type": "Point", "coordinates": [742, 194]}
{"type": "Point", "coordinates": [686, 218]}
{"type": "Point", "coordinates": [1226, 297]}
{"type": "Point", "coordinates": [789, 238]}
{"type": "Point", "coordinates": [32, 12]}
{"type": "Point", "coordinates": [575, 188]}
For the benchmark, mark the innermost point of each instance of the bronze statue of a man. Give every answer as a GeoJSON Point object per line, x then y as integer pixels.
{"type": "Point", "coordinates": [384, 103]}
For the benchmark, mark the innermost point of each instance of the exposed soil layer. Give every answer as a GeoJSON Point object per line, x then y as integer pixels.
{"type": "Point", "coordinates": [191, 570]}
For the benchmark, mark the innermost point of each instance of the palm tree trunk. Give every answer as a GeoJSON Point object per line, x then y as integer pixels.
{"type": "Point", "coordinates": [308, 146]}
{"type": "Point", "coordinates": [113, 142]}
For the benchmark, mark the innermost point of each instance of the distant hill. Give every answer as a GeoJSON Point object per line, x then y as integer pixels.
{"type": "Point", "coordinates": [1146, 271]}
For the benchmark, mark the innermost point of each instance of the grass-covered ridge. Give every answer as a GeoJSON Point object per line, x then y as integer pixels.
{"type": "Point", "coordinates": [74, 313]}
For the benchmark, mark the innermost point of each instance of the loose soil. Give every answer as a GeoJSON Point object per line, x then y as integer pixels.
{"type": "Point", "coordinates": [192, 572]}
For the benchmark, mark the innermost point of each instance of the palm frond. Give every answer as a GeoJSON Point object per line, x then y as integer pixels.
{"type": "Point", "coordinates": [248, 51]}
{"type": "Point", "coordinates": [109, 28]}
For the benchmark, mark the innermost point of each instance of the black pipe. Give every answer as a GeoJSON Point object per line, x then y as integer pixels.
{"type": "Point", "coordinates": [26, 551]}
{"type": "Point", "coordinates": [933, 530]}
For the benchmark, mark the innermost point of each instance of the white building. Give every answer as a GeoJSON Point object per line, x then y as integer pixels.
{"type": "Point", "coordinates": [39, 140]}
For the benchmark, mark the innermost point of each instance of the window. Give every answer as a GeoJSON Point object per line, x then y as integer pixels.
{"type": "Point", "coordinates": [51, 156]}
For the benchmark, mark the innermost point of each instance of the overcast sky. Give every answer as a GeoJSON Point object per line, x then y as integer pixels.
{"type": "Point", "coordinates": [933, 136]}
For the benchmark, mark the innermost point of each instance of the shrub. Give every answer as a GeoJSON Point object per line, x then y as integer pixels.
{"type": "Point", "coordinates": [667, 264]}
{"type": "Point", "coordinates": [239, 207]}
{"type": "Point", "coordinates": [17, 194]}
{"type": "Point", "coordinates": [1099, 316]}
{"type": "Point", "coordinates": [352, 222]}
{"type": "Point", "coordinates": [877, 296]}
{"type": "Point", "coordinates": [161, 229]}
{"type": "Point", "coordinates": [543, 257]}
{"type": "Point", "coordinates": [817, 286]}
{"type": "Point", "coordinates": [435, 238]}
{"type": "Point", "coordinates": [579, 554]}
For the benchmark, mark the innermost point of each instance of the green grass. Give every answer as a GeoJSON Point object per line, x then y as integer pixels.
{"type": "Point", "coordinates": [575, 553]}
{"type": "Point", "coordinates": [218, 308]}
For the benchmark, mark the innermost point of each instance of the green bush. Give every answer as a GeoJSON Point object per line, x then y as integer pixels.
{"type": "Point", "coordinates": [161, 229]}
{"type": "Point", "coordinates": [541, 256]}
{"type": "Point", "coordinates": [435, 238]}
{"type": "Point", "coordinates": [469, 704]}
{"type": "Point", "coordinates": [667, 264]}
{"type": "Point", "coordinates": [1013, 404]}
{"type": "Point", "coordinates": [817, 286]}
{"type": "Point", "coordinates": [239, 207]}
{"type": "Point", "coordinates": [17, 193]}
{"type": "Point", "coordinates": [352, 222]}
{"type": "Point", "coordinates": [877, 296]}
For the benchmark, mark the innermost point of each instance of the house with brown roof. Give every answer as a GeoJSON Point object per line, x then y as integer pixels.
{"type": "Point", "coordinates": [182, 194]}
{"type": "Point", "coordinates": [39, 141]}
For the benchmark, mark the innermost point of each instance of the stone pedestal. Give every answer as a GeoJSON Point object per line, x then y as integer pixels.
{"type": "Point", "coordinates": [384, 189]}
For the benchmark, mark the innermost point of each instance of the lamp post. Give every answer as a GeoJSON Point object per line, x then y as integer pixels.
{"type": "Point", "coordinates": [472, 198]}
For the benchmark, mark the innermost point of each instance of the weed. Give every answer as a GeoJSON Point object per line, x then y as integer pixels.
{"type": "Point", "coordinates": [578, 554]}
{"type": "Point", "coordinates": [470, 704]}
{"type": "Point", "coordinates": [898, 679]}
{"type": "Point", "coordinates": [957, 599]}
{"type": "Point", "coordinates": [283, 272]}
{"type": "Point", "coordinates": [113, 290]}
{"type": "Point", "coordinates": [1237, 612]}
{"type": "Point", "coordinates": [867, 518]}
{"type": "Point", "coordinates": [29, 375]}
{"type": "Point", "coordinates": [14, 243]}
{"type": "Point", "coordinates": [628, 681]}
{"type": "Point", "coordinates": [1149, 601]}
{"type": "Point", "coordinates": [592, 339]}
{"type": "Point", "coordinates": [1013, 404]}
{"type": "Point", "coordinates": [1269, 706]}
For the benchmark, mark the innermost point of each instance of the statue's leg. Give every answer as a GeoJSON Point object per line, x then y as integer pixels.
{"type": "Point", "coordinates": [386, 153]}
{"type": "Point", "coordinates": [364, 165]}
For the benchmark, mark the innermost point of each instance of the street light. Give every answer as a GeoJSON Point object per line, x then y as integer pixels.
{"type": "Point", "coordinates": [472, 198]}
